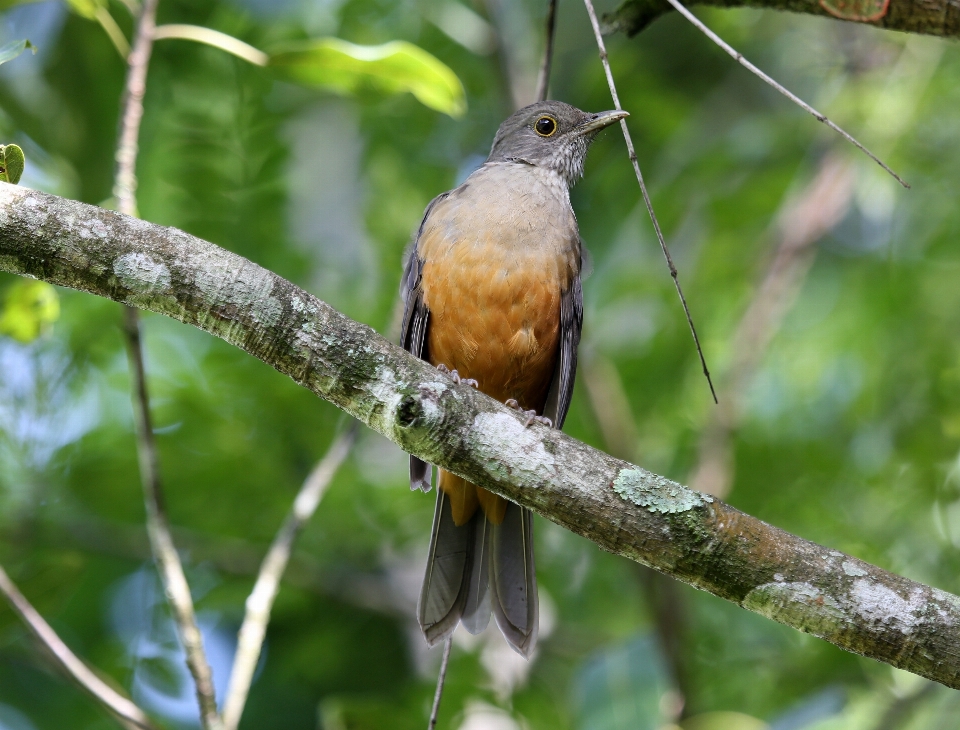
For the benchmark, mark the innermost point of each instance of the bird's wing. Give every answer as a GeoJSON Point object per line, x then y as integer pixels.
{"type": "Point", "coordinates": [565, 371]}
{"type": "Point", "coordinates": [413, 332]}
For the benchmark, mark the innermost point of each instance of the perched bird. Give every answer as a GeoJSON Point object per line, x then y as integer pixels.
{"type": "Point", "coordinates": [492, 294]}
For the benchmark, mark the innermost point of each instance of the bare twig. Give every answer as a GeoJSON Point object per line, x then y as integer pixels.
{"type": "Point", "coordinates": [738, 57]}
{"type": "Point", "coordinates": [643, 189]}
{"type": "Point", "coordinates": [543, 79]}
{"type": "Point", "coordinates": [125, 179]}
{"type": "Point", "coordinates": [165, 553]}
{"type": "Point", "coordinates": [259, 604]}
{"type": "Point", "coordinates": [128, 713]}
{"type": "Point", "coordinates": [161, 542]}
{"type": "Point", "coordinates": [441, 678]}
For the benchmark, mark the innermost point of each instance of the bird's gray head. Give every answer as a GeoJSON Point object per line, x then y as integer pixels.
{"type": "Point", "coordinates": [552, 135]}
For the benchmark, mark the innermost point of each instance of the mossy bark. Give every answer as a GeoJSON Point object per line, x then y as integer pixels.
{"type": "Point", "coordinates": [622, 508]}
{"type": "Point", "coordinates": [929, 17]}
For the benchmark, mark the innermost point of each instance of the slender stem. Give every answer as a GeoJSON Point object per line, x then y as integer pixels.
{"type": "Point", "coordinates": [112, 30]}
{"type": "Point", "coordinates": [161, 542]}
{"type": "Point", "coordinates": [128, 713]}
{"type": "Point", "coordinates": [738, 57]}
{"type": "Point", "coordinates": [259, 604]}
{"type": "Point", "coordinates": [441, 679]}
{"type": "Point", "coordinates": [214, 38]}
{"type": "Point", "coordinates": [165, 553]}
{"type": "Point", "coordinates": [125, 180]}
{"type": "Point", "coordinates": [643, 190]}
{"type": "Point", "coordinates": [543, 79]}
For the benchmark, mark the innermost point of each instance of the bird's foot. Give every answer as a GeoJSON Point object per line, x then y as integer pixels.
{"type": "Point", "coordinates": [532, 416]}
{"type": "Point", "coordinates": [455, 376]}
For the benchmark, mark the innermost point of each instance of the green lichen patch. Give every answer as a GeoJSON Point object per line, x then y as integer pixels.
{"type": "Point", "coordinates": [656, 493]}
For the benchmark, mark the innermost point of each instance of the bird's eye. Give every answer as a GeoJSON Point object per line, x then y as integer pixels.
{"type": "Point", "coordinates": [545, 126]}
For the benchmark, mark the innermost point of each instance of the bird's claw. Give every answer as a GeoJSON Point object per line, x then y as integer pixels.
{"type": "Point", "coordinates": [532, 416]}
{"type": "Point", "coordinates": [455, 376]}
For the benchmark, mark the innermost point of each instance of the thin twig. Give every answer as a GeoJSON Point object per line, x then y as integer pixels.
{"type": "Point", "coordinates": [643, 189]}
{"type": "Point", "coordinates": [543, 79]}
{"type": "Point", "coordinates": [128, 713]}
{"type": "Point", "coordinates": [161, 542]}
{"type": "Point", "coordinates": [259, 604]}
{"type": "Point", "coordinates": [738, 57]}
{"type": "Point", "coordinates": [441, 678]}
{"type": "Point", "coordinates": [165, 553]}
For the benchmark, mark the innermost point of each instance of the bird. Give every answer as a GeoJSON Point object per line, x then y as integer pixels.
{"type": "Point", "coordinates": [492, 296]}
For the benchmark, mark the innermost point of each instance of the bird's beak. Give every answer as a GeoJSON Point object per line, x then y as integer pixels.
{"type": "Point", "coordinates": [596, 122]}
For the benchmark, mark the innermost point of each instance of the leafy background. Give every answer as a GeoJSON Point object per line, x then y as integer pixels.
{"type": "Point", "coordinates": [847, 433]}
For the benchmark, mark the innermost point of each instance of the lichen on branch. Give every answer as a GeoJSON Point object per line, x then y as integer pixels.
{"type": "Point", "coordinates": [622, 508]}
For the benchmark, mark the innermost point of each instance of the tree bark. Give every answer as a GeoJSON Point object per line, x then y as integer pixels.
{"type": "Point", "coordinates": [930, 17]}
{"type": "Point", "coordinates": [621, 507]}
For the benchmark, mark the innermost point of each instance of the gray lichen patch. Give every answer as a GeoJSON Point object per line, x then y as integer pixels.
{"type": "Point", "coordinates": [141, 274]}
{"type": "Point", "coordinates": [852, 569]}
{"type": "Point", "coordinates": [798, 604]}
{"type": "Point", "coordinates": [501, 439]}
{"type": "Point", "coordinates": [231, 280]}
{"type": "Point", "coordinates": [656, 493]}
{"type": "Point", "coordinates": [876, 603]}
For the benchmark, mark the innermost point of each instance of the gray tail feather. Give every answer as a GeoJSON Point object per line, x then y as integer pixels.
{"type": "Point", "coordinates": [476, 568]}
{"type": "Point", "coordinates": [443, 597]}
{"type": "Point", "coordinates": [476, 608]}
{"type": "Point", "coordinates": [514, 580]}
{"type": "Point", "coordinates": [419, 475]}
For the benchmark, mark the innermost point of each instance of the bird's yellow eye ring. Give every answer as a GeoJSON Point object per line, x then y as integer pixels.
{"type": "Point", "coordinates": [545, 126]}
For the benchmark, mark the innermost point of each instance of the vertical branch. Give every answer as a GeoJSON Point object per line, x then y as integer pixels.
{"type": "Point", "coordinates": [260, 602]}
{"type": "Point", "coordinates": [543, 79]}
{"type": "Point", "coordinates": [643, 190]}
{"type": "Point", "coordinates": [127, 713]}
{"type": "Point", "coordinates": [165, 553]}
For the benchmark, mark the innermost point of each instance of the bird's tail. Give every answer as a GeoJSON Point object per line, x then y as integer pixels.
{"type": "Point", "coordinates": [478, 567]}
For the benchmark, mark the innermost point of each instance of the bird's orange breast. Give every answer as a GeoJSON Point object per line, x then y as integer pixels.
{"type": "Point", "coordinates": [498, 253]}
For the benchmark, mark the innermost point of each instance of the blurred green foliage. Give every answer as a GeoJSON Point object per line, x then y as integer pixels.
{"type": "Point", "coordinates": [848, 431]}
{"type": "Point", "coordinates": [30, 309]}
{"type": "Point", "coordinates": [394, 67]}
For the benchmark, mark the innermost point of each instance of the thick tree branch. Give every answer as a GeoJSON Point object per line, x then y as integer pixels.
{"type": "Point", "coordinates": [930, 17]}
{"type": "Point", "coordinates": [623, 508]}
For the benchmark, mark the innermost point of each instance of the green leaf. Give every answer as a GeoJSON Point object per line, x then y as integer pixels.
{"type": "Point", "coordinates": [392, 68]}
{"type": "Point", "coordinates": [13, 49]}
{"type": "Point", "coordinates": [86, 8]}
{"type": "Point", "coordinates": [11, 163]}
{"type": "Point", "coordinates": [30, 309]}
